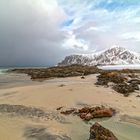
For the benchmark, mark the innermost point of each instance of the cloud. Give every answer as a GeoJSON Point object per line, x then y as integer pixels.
{"type": "Point", "coordinates": [42, 32]}
{"type": "Point", "coordinates": [103, 23]}
{"type": "Point", "coordinates": [72, 42]}
{"type": "Point", "coordinates": [132, 35]}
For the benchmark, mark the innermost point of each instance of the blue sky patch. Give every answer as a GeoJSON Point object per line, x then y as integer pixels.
{"type": "Point", "coordinates": [67, 23]}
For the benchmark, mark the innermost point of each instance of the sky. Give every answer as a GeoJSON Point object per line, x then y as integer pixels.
{"type": "Point", "coordinates": [43, 32]}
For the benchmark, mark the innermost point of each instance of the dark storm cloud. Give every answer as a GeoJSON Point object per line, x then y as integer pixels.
{"type": "Point", "coordinates": [29, 34]}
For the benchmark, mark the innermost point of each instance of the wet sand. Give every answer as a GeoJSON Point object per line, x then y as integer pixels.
{"type": "Point", "coordinates": [69, 92]}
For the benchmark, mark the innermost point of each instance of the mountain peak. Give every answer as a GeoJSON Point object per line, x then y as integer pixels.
{"type": "Point", "coordinates": [116, 47]}
{"type": "Point", "coordinates": [114, 50]}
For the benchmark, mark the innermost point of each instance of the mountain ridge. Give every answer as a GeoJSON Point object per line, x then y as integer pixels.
{"type": "Point", "coordinates": [115, 55]}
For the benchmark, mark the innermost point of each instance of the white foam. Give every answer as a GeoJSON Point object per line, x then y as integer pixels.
{"type": "Point", "coordinates": [2, 71]}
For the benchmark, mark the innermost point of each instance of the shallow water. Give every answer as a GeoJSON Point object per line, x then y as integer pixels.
{"type": "Point", "coordinates": [14, 80]}
{"type": "Point", "coordinates": [119, 67]}
{"type": "Point", "coordinates": [123, 130]}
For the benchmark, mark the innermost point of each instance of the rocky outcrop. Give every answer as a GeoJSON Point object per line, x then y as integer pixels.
{"type": "Point", "coordinates": [98, 132]}
{"type": "Point", "coordinates": [123, 82]}
{"type": "Point", "coordinates": [125, 88]}
{"type": "Point", "coordinates": [58, 71]}
{"type": "Point", "coordinates": [89, 113]}
{"type": "Point", "coordinates": [105, 77]}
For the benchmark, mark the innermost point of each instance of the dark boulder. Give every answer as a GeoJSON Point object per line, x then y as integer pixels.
{"type": "Point", "coordinates": [98, 132]}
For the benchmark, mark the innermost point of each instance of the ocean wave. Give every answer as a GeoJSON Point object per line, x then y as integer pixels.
{"type": "Point", "coordinates": [3, 71]}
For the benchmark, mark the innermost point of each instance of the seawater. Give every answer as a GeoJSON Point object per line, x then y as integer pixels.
{"type": "Point", "coordinates": [3, 71]}
{"type": "Point", "coordinates": [119, 67]}
{"type": "Point", "coordinates": [122, 130]}
{"type": "Point", "coordinates": [8, 80]}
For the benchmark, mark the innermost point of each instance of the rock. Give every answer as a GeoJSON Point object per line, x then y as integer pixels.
{"type": "Point", "coordinates": [59, 108]}
{"type": "Point", "coordinates": [105, 77]}
{"type": "Point", "coordinates": [89, 113]}
{"type": "Point", "coordinates": [124, 82]}
{"type": "Point", "coordinates": [68, 112]}
{"type": "Point", "coordinates": [62, 85]}
{"type": "Point", "coordinates": [138, 96]}
{"type": "Point", "coordinates": [101, 82]}
{"type": "Point", "coordinates": [134, 81]}
{"type": "Point", "coordinates": [88, 117]}
{"type": "Point", "coordinates": [135, 86]}
{"type": "Point", "coordinates": [84, 110]}
{"type": "Point", "coordinates": [58, 71]}
{"type": "Point", "coordinates": [125, 88]}
{"type": "Point", "coordinates": [82, 115]}
{"type": "Point", "coordinates": [103, 113]}
{"type": "Point", "coordinates": [132, 75]}
{"type": "Point", "coordinates": [98, 132]}
{"type": "Point", "coordinates": [82, 77]}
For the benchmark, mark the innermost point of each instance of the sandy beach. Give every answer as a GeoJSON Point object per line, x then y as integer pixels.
{"type": "Point", "coordinates": [69, 93]}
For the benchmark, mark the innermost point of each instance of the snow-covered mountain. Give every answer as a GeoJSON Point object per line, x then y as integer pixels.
{"type": "Point", "coordinates": [112, 56]}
